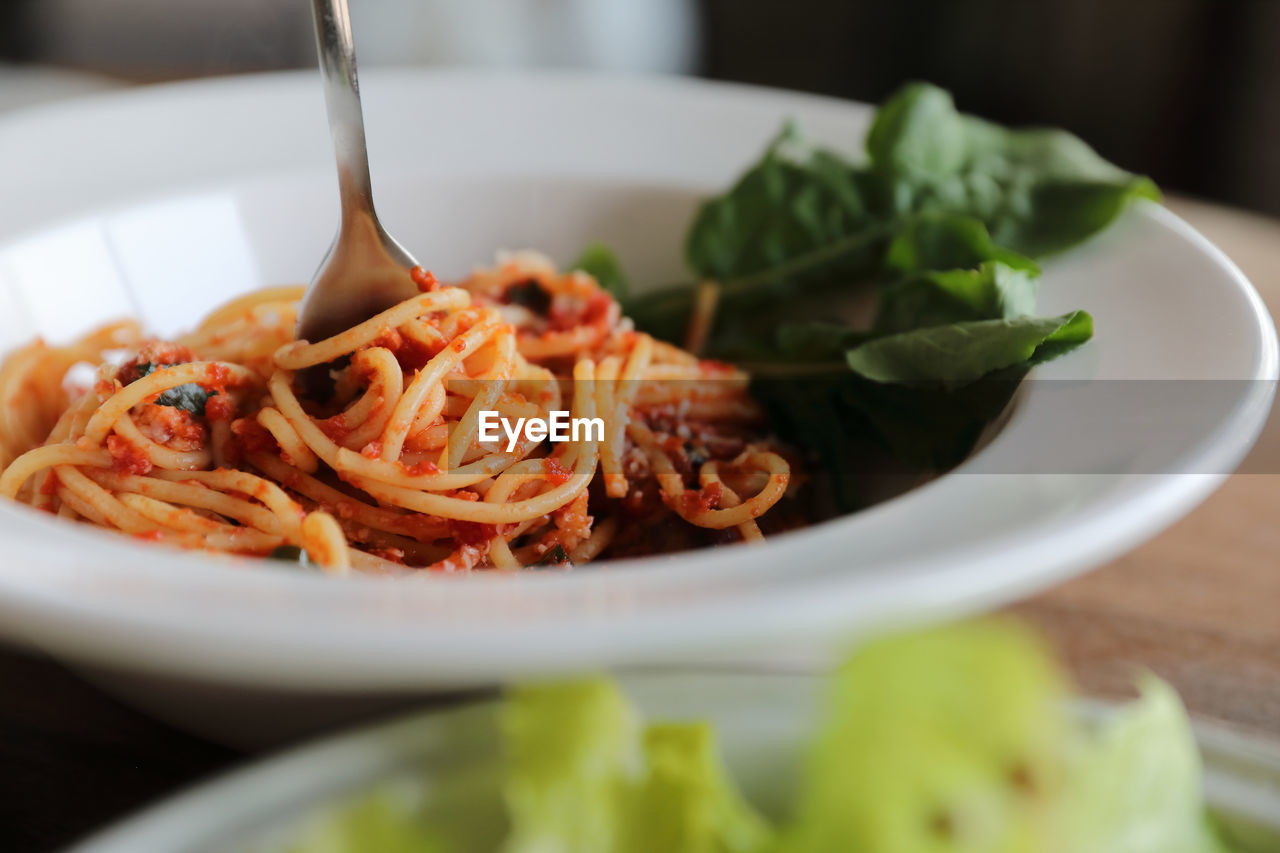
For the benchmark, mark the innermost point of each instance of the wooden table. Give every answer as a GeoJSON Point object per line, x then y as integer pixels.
{"type": "Point", "coordinates": [1200, 605]}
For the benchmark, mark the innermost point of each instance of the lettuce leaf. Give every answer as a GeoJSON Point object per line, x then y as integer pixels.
{"type": "Point", "coordinates": [585, 777]}
{"type": "Point", "coordinates": [945, 741]}
{"type": "Point", "coordinates": [951, 740]}
{"type": "Point", "coordinates": [687, 803]}
{"type": "Point", "coordinates": [571, 751]}
{"type": "Point", "coordinates": [1134, 784]}
{"type": "Point", "coordinates": [385, 819]}
{"type": "Point", "coordinates": [460, 812]}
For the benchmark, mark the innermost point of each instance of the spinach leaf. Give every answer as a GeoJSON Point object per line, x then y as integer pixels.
{"type": "Point", "coordinates": [992, 291]}
{"type": "Point", "coordinates": [1037, 190]}
{"type": "Point", "coordinates": [189, 397]}
{"type": "Point", "coordinates": [959, 353]}
{"type": "Point", "coordinates": [794, 201]}
{"type": "Point", "coordinates": [944, 218]}
{"type": "Point", "coordinates": [817, 341]}
{"type": "Point", "coordinates": [943, 241]}
{"type": "Point", "coordinates": [599, 261]}
{"type": "Point", "coordinates": [800, 217]}
{"type": "Point", "coordinates": [1060, 215]}
{"type": "Point", "coordinates": [940, 190]}
{"type": "Point", "coordinates": [931, 426]}
{"type": "Point", "coordinates": [922, 397]}
{"type": "Point", "coordinates": [665, 313]}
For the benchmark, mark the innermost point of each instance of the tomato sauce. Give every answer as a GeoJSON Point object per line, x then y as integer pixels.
{"type": "Point", "coordinates": [335, 428]}
{"type": "Point", "coordinates": [419, 469]}
{"type": "Point", "coordinates": [556, 473]}
{"type": "Point", "coordinates": [471, 532]}
{"type": "Point", "coordinates": [172, 427]}
{"type": "Point", "coordinates": [425, 279]}
{"type": "Point", "coordinates": [252, 437]}
{"type": "Point", "coordinates": [220, 408]}
{"type": "Point", "coordinates": [126, 457]}
{"type": "Point", "coordinates": [156, 354]}
{"type": "Point", "coordinates": [702, 500]}
{"type": "Point", "coordinates": [216, 378]}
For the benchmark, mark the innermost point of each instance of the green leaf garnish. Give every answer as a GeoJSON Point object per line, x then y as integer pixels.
{"type": "Point", "coordinates": [599, 261]}
{"type": "Point", "coordinates": [940, 224]}
{"type": "Point", "coordinates": [958, 353]}
{"type": "Point", "coordinates": [556, 557]}
{"type": "Point", "coordinates": [189, 397]}
{"type": "Point", "coordinates": [292, 554]}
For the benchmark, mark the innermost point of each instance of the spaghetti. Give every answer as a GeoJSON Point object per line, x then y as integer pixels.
{"type": "Point", "coordinates": [210, 441]}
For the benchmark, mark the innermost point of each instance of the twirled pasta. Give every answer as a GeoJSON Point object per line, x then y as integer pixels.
{"type": "Point", "coordinates": [210, 441]}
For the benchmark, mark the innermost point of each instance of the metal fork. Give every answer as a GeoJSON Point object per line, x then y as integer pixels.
{"type": "Point", "coordinates": [366, 270]}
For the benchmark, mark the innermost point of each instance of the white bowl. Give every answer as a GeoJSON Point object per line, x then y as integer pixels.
{"type": "Point", "coordinates": [166, 201]}
{"type": "Point", "coordinates": [762, 723]}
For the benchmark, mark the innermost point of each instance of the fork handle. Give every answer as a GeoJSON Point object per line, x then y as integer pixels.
{"type": "Point", "coordinates": [337, 51]}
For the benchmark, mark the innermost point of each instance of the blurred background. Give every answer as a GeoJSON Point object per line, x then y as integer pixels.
{"type": "Point", "coordinates": [1187, 91]}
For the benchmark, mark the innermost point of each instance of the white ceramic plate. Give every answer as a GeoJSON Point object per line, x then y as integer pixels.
{"type": "Point", "coordinates": [762, 722]}
{"type": "Point", "coordinates": [166, 201]}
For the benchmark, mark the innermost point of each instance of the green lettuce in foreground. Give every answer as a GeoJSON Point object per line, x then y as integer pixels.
{"type": "Point", "coordinates": [947, 740]}
{"type": "Point", "coordinates": [385, 819]}
{"type": "Point", "coordinates": [953, 740]}
{"type": "Point", "coordinates": [1135, 783]}
{"type": "Point", "coordinates": [585, 777]}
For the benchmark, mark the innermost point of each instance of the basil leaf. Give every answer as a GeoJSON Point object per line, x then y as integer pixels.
{"type": "Point", "coordinates": [189, 397]}
{"type": "Point", "coordinates": [529, 294]}
{"type": "Point", "coordinates": [292, 554]}
{"type": "Point", "coordinates": [959, 353]}
{"type": "Point", "coordinates": [599, 261]}
{"type": "Point", "coordinates": [557, 557]}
